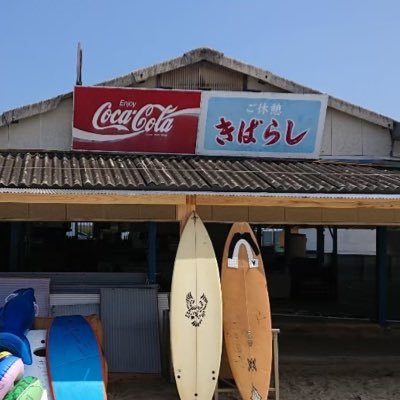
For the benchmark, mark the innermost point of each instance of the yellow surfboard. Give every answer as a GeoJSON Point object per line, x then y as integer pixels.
{"type": "Point", "coordinates": [196, 314]}
{"type": "Point", "coordinates": [247, 316]}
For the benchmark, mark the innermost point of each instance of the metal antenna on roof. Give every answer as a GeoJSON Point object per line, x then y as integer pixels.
{"type": "Point", "coordinates": [79, 66]}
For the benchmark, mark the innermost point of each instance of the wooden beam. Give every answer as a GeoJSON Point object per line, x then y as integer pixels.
{"type": "Point", "coordinates": [12, 211]}
{"type": "Point", "coordinates": [84, 212]}
{"type": "Point", "coordinates": [215, 208]}
{"type": "Point", "coordinates": [183, 211]}
{"type": "Point", "coordinates": [199, 199]}
{"type": "Point", "coordinates": [310, 202]}
{"type": "Point", "coordinates": [46, 212]}
{"type": "Point", "coordinates": [80, 198]}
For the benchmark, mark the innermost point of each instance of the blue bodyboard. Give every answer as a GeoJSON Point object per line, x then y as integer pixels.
{"type": "Point", "coordinates": [74, 361]}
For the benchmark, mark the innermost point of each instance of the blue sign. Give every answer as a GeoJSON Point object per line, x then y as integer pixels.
{"type": "Point", "coordinates": [261, 124]}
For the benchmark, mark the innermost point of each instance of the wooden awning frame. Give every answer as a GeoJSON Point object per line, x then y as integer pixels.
{"type": "Point", "coordinates": [306, 209]}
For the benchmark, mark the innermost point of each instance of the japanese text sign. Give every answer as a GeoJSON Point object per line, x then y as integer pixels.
{"type": "Point", "coordinates": [135, 120]}
{"type": "Point", "coordinates": [261, 124]}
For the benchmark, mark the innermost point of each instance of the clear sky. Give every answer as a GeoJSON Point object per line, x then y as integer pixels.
{"type": "Point", "coordinates": [346, 48]}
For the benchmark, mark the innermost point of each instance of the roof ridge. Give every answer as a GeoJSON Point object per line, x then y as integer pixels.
{"type": "Point", "coordinates": [191, 57]}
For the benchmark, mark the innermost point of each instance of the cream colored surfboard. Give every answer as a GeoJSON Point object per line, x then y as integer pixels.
{"type": "Point", "coordinates": [196, 314]}
{"type": "Point", "coordinates": [247, 317]}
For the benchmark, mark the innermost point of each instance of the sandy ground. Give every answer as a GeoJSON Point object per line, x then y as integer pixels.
{"type": "Point", "coordinates": [140, 387]}
{"type": "Point", "coordinates": [298, 382]}
{"type": "Point", "coordinates": [341, 379]}
{"type": "Point", "coordinates": [317, 361]}
{"type": "Point", "coordinates": [342, 361]}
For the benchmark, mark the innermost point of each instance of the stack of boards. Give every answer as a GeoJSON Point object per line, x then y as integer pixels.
{"type": "Point", "coordinates": [197, 317]}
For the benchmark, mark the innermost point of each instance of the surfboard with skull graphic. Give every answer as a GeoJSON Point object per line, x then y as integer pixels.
{"type": "Point", "coordinates": [196, 314]}
{"type": "Point", "coordinates": [246, 313]}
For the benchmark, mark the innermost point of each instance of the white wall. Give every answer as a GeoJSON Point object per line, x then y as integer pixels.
{"type": "Point", "coordinates": [51, 130]}
{"type": "Point", "coordinates": [351, 136]}
{"type": "Point", "coordinates": [344, 135]}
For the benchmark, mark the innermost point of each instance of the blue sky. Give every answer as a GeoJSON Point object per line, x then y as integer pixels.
{"type": "Point", "coordinates": [347, 48]}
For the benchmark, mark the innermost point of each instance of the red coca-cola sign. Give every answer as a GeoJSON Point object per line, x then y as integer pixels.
{"type": "Point", "coordinates": [135, 120]}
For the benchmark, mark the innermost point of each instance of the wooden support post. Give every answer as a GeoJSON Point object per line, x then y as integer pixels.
{"type": "Point", "coordinates": [381, 274]}
{"type": "Point", "coordinates": [152, 252]}
{"type": "Point", "coordinates": [183, 211]}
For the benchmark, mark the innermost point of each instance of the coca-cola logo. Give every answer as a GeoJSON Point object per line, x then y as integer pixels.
{"type": "Point", "coordinates": [135, 119]}
{"type": "Point", "coordinates": [154, 118]}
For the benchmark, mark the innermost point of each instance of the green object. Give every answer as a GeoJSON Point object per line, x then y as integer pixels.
{"type": "Point", "coordinates": [28, 388]}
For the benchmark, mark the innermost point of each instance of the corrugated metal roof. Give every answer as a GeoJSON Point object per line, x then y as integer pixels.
{"type": "Point", "coordinates": [95, 171]}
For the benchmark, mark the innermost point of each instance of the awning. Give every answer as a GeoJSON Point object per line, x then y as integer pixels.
{"type": "Point", "coordinates": [197, 174]}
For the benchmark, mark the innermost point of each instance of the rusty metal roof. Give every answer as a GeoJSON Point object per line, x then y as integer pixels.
{"type": "Point", "coordinates": [94, 171]}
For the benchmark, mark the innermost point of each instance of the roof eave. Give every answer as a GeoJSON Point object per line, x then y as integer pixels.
{"type": "Point", "coordinates": [210, 194]}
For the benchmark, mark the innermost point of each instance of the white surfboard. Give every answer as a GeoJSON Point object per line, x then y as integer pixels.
{"type": "Point", "coordinates": [196, 314]}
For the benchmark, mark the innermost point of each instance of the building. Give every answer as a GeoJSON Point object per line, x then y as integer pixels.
{"type": "Point", "coordinates": [91, 220]}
